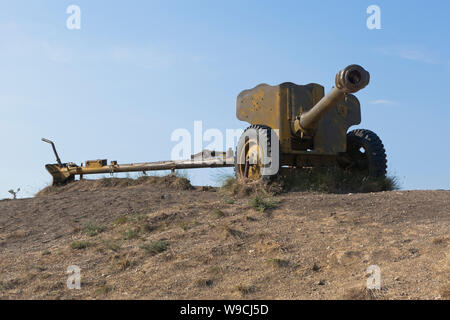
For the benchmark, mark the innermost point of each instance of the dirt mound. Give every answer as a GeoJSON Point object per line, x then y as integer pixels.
{"type": "Point", "coordinates": [161, 239]}
{"type": "Point", "coordinates": [172, 182]}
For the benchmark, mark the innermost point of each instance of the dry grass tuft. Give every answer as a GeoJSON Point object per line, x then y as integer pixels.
{"type": "Point", "coordinates": [120, 220]}
{"type": "Point", "coordinates": [112, 245]}
{"type": "Point", "coordinates": [242, 189]}
{"type": "Point", "coordinates": [204, 283]}
{"type": "Point", "coordinates": [103, 289]}
{"type": "Point", "coordinates": [131, 234]}
{"type": "Point", "coordinates": [445, 292]}
{"type": "Point", "coordinates": [18, 234]}
{"type": "Point", "coordinates": [79, 245]}
{"type": "Point", "coordinates": [279, 263]}
{"type": "Point", "coordinates": [441, 241]}
{"type": "Point", "coordinates": [155, 247]}
{"type": "Point", "coordinates": [245, 289]}
{"type": "Point", "coordinates": [92, 228]}
{"type": "Point", "coordinates": [334, 180]}
{"type": "Point", "coordinates": [229, 231]}
{"type": "Point", "coordinates": [361, 293]}
{"type": "Point", "coordinates": [218, 213]}
{"type": "Point", "coordinates": [328, 180]}
{"type": "Point", "coordinates": [122, 263]}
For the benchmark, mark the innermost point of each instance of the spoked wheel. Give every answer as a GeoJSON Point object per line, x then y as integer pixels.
{"type": "Point", "coordinates": [250, 163]}
{"type": "Point", "coordinates": [252, 154]}
{"type": "Point", "coordinates": [365, 153]}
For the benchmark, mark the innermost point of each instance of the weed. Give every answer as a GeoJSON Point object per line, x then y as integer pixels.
{"type": "Point", "coordinates": [112, 245]}
{"type": "Point", "coordinates": [8, 285]}
{"type": "Point", "coordinates": [202, 283]}
{"type": "Point", "coordinates": [229, 184]}
{"type": "Point", "coordinates": [440, 241]}
{"type": "Point", "coordinates": [155, 247]}
{"type": "Point", "coordinates": [232, 232]}
{"type": "Point", "coordinates": [124, 264]}
{"type": "Point", "coordinates": [131, 234]}
{"type": "Point", "coordinates": [215, 270]}
{"type": "Point", "coordinates": [92, 229]}
{"type": "Point", "coordinates": [14, 193]}
{"type": "Point", "coordinates": [139, 217]}
{"type": "Point", "coordinates": [245, 289]}
{"type": "Point", "coordinates": [147, 227]}
{"type": "Point", "coordinates": [279, 263]}
{"type": "Point", "coordinates": [445, 292]}
{"type": "Point", "coordinates": [78, 245]}
{"type": "Point", "coordinates": [229, 201]}
{"type": "Point", "coordinates": [121, 220]}
{"type": "Point", "coordinates": [183, 225]}
{"type": "Point", "coordinates": [103, 289]}
{"type": "Point", "coordinates": [218, 213]}
{"type": "Point", "coordinates": [261, 204]}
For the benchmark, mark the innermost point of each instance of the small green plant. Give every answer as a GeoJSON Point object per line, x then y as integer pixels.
{"type": "Point", "coordinates": [103, 289]}
{"type": "Point", "coordinates": [218, 213]}
{"type": "Point", "coordinates": [147, 227]}
{"type": "Point", "coordinates": [245, 289]}
{"type": "Point", "coordinates": [155, 247]}
{"type": "Point", "coordinates": [139, 220]}
{"type": "Point", "coordinates": [445, 292]}
{"type": "Point", "coordinates": [279, 263]}
{"type": "Point", "coordinates": [229, 201]}
{"type": "Point", "coordinates": [202, 283]}
{"type": "Point", "coordinates": [112, 245]}
{"type": "Point", "coordinates": [261, 204]}
{"type": "Point", "coordinates": [187, 224]}
{"type": "Point", "coordinates": [7, 285]}
{"type": "Point", "coordinates": [183, 225]}
{"type": "Point", "coordinates": [124, 264]}
{"type": "Point", "coordinates": [78, 245]}
{"type": "Point", "coordinates": [131, 234]}
{"type": "Point", "coordinates": [441, 240]}
{"type": "Point", "coordinates": [139, 217]}
{"type": "Point", "coordinates": [121, 220]}
{"type": "Point", "coordinates": [215, 270]}
{"type": "Point", "coordinates": [39, 268]}
{"type": "Point", "coordinates": [229, 231]}
{"type": "Point", "coordinates": [92, 228]}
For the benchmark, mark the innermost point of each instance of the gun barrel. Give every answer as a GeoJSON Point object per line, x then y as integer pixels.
{"type": "Point", "coordinates": [349, 80]}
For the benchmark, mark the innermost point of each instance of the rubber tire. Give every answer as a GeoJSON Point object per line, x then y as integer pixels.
{"type": "Point", "coordinates": [374, 150]}
{"type": "Point", "coordinates": [265, 134]}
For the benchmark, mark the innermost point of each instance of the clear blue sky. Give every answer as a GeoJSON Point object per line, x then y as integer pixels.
{"type": "Point", "coordinates": [137, 70]}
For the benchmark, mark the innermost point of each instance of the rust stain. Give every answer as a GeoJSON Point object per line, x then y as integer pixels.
{"type": "Point", "coordinates": [257, 99]}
